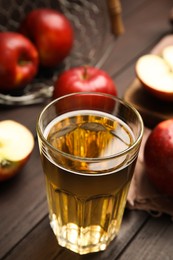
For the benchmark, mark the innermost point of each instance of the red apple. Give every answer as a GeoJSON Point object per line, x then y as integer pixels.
{"type": "Point", "coordinates": [16, 145]}
{"type": "Point", "coordinates": [156, 75]}
{"type": "Point", "coordinates": [18, 62]}
{"type": "Point", "coordinates": [52, 34]}
{"type": "Point", "coordinates": [82, 79]}
{"type": "Point", "coordinates": [158, 156]}
{"type": "Point", "coordinates": [86, 79]}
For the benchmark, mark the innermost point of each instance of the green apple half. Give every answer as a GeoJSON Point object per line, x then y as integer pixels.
{"type": "Point", "coordinates": [16, 145]}
{"type": "Point", "coordinates": [156, 74]}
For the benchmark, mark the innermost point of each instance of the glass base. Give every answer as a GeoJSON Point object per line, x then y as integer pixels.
{"type": "Point", "coordinates": [82, 240]}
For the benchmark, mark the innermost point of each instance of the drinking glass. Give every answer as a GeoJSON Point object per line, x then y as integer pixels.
{"type": "Point", "coordinates": [89, 144]}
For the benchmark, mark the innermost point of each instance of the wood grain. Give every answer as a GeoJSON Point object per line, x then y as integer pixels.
{"type": "Point", "coordinates": [24, 227]}
{"type": "Point", "coordinates": [153, 242]}
{"type": "Point", "coordinates": [22, 203]}
{"type": "Point", "coordinates": [42, 236]}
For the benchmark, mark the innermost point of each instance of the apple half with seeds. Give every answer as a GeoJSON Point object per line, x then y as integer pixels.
{"type": "Point", "coordinates": [156, 74]}
{"type": "Point", "coordinates": [16, 145]}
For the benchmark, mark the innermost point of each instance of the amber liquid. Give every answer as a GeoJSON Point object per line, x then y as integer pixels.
{"type": "Point", "coordinates": [87, 198]}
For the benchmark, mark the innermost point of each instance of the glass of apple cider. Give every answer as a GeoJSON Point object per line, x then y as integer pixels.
{"type": "Point", "coordinates": [89, 144]}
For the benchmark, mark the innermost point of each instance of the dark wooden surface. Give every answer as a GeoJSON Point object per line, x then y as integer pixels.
{"type": "Point", "coordinates": [24, 227]}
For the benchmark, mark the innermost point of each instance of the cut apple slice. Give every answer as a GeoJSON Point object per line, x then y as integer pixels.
{"type": "Point", "coordinates": [167, 55]}
{"type": "Point", "coordinates": [156, 76]}
{"type": "Point", "coordinates": [16, 145]}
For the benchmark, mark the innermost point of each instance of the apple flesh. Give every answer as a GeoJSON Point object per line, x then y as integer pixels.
{"type": "Point", "coordinates": [16, 145]}
{"type": "Point", "coordinates": [52, 34]}
{"type": "Point", "coordinates": [167, 55]}
{"type": "Point", "coordinates": [18, 62]}
{"type": "Point", "coordinates": [156, 75]}
{"type": "Point", "coordinates": [158, 157]}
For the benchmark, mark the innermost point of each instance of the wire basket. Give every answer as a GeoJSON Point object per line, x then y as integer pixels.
{"type": "Point", "coordinates": [91, 24]}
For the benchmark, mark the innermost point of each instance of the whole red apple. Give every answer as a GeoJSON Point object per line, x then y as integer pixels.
{"type": "Point", "coordinates": [86, 79]}
{"type": "Point", "coordinates": [18, 62]}
{"type": "Point", "coordinates": [82, 79]}
{"type": "Point", "coordinates": [158, 156]}
{"type": "Point", "coordinates": [52, 34]}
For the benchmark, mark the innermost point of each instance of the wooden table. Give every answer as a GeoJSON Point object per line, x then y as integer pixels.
{"type": "Point", "coordinates": [24, 226]}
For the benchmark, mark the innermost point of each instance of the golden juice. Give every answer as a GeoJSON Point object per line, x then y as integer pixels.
{"type": "Point", "coordinates": [87, 177]}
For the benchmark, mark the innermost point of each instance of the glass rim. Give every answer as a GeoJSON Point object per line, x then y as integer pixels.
{"type": "Point", "coordinates": [88, 159]}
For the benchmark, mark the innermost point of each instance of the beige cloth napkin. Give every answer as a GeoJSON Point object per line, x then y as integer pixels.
{"type": "Point", "coordinates": [142, 194]}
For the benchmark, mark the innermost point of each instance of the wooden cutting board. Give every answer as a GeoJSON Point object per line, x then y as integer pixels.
{"type": "Point", "coordinates": [151, 109]}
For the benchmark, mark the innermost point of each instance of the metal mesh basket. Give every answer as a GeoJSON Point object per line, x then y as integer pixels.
{"type": "Point", "coordinates": [90, 21]}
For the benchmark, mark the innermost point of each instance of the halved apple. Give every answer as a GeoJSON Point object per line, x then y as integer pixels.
{"type": "Point", "coordinates": [156, 75]}
{"type": "Point", "coordinates": [16, 145]}
{"type": "Point", "coordinates": [167, 55]}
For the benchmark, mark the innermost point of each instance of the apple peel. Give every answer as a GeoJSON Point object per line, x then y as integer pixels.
{"type": "Point", "coordinates": [158, 157]}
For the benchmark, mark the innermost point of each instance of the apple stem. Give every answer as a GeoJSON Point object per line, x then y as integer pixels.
{"type": "Point", "coordinates": [23, 62]}
{"type": "Point", "coordinates": [85, 73]}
